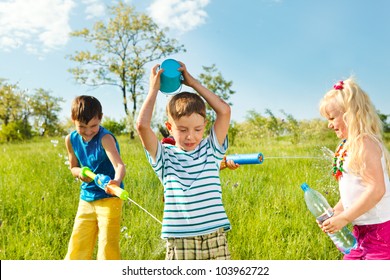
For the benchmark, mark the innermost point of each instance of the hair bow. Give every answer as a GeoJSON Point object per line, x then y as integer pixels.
{"type": "Point", "coordinates": [339, 85]}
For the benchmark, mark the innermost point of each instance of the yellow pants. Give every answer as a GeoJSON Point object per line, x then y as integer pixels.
{"type": "Point", "coordinates": [97, 219]}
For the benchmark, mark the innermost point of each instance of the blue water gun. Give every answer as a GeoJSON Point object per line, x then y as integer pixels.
{"type": "Point", "coordinates": [102, 181]}
{"type": "Point", "coordinates": [256, 158]}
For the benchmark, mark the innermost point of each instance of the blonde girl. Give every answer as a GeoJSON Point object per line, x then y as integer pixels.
{"type": "Point", "coordinates": [362, 167]}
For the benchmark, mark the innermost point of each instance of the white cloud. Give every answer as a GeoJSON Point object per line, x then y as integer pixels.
{"type": "Point", "coordinates": [182, 15]}
{"type": "Point", "coordinates": [94, 8]}
{"type": "Point", "coordinates": [38, 26]}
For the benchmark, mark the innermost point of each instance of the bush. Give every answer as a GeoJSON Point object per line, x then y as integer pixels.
{"type": "Point", "coordinates": [17, 130]}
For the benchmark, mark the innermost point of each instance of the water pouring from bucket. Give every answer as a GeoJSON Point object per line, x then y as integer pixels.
{"type": "Point", "coordinates": [171, 78]}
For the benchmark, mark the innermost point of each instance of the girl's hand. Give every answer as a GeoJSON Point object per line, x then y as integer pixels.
{"type": "Point", "coordinates": [334, 224]}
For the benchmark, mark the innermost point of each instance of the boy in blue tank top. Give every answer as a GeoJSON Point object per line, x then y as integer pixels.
{"type": "Point", "coordinates": [99, 213]}
{"type": "Point", "coordinates": [195, 222]}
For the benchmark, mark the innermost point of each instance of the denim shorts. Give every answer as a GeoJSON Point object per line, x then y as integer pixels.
{"type": "Point", "coordinates": [373, 242]}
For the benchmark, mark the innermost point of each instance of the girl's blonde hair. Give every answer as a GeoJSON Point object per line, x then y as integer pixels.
{"type": "Point", "coordinates": [361, 119]}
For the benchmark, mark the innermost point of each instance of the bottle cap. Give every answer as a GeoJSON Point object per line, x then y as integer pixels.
{"type": "Point", "coordinates": [304, 187]}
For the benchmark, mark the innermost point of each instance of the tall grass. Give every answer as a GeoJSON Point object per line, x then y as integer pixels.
{"type": "Point", "coordinates": [39, 198]}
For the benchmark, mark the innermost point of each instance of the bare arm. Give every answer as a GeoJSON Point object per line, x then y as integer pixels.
{"type": "Point", "coordinates": [145, 132]}
{"type": "Point", "coordinates": [338, 208]}
{"type": "Point", "coordinates": [112, 152]}
{"type": "Point", "coordinates": [73, 162]}
{"type": "Point", "coordinates": [221, 108]}
{"type": "Point", "coordinates": [373, 178]}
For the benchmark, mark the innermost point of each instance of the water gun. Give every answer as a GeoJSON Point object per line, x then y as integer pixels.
{"type": "Point", "coordinates": [102, 182]}
{"type": "Point", "coordinates": [256, 158]}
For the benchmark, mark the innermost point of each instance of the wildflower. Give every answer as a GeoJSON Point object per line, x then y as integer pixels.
{"type": "Point", "coordinates": [54, 142]}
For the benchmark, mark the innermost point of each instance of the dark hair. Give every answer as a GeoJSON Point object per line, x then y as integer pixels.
{"type": "Point", "coordinates": [185, 104]}
{"type": "Point", "coordinates": [85, 108]}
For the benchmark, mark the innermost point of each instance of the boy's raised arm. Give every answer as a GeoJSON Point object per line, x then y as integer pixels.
{"type": "Point", "coordinates": [221, 108]}
{"type": "Point", "coordinates": [145, 132]}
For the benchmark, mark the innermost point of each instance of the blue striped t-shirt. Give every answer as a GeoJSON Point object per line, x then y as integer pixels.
{"type": "Point", "coordinates": [192, 188]}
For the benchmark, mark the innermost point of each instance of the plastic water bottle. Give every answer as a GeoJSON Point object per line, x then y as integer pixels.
{"type": "Point", "coordinates": [320, 208]}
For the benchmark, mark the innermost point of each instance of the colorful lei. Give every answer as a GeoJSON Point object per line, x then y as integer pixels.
{"type": "Point", "coordinates": [338, 169]}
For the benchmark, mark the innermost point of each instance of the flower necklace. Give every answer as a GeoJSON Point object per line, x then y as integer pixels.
{"type": "Point", "coordinates": [338, 170]}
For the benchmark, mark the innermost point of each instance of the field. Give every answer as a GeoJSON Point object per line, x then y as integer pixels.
{"type": "Point", "coordinates": [270, 221]}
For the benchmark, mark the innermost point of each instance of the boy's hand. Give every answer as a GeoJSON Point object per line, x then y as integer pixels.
{"type": "Point", "coordinates": [109, 190]}
{"type": "Point", "coordinates": [154, 80]}
{"type": "Point", "coordinates": [84, 178]}
{"type": "Point", "coordinates": [229, 164]}
{"type": "Point", "coordinates": [101, 180]}
{"type": "Point", "coordinates": [188, 79]}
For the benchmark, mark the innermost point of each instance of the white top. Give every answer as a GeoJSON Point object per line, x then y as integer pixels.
{"type": "Point", "coordinates": [192, 188]}
{"type": "Point", "coordinates": [351, 187]}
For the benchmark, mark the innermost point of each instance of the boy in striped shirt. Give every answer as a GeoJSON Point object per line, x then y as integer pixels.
{"type": "Point", "coordinates": [195, 221]}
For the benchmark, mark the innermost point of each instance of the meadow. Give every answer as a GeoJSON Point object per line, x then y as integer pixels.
{"type": "Point", "coordinates": [270, 221]}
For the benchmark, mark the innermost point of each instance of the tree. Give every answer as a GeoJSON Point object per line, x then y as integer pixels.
{"type": "Point", "coordinates": [116, 128]}
{"type": "Point", "coordinates": [45, 111]}
{"type": "Point", "coordinates": [292, 127]}
{"type": "Point", "coordinates": [14, 112]}
{"type": "Point", "coordinates": [123, 46]}
{"type": "Point", "coordinates": [10, 101]}
{"type": "Point", "coordinates": [273, 125]}
{"type": "Point", "coordinates": [386, 125]}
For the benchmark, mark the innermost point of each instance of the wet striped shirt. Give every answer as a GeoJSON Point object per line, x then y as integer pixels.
{"type": "Point", "coordinates": [192, 188]}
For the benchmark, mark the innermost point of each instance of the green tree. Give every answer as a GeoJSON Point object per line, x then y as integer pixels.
{"type": "Point", "coordinates": [10, 101]}
{"type": "Point", "coordinates": [254, 126]}
{"type": "Point", "coordinates": [386, 125]}
{"type": "Point", "coordinates": [46, 109]}
{"type": "Point", "coordinates": [292, 127]}
{"type": "Point", "coordinates": [116, 128]}
{"type": "Point", "coordinates": [15, 130]}
{"type": "Point", "coordinates": [273, 125]}
{"type": "Point", "coordinates": [14, 113]}
{"type": "Point", "coordinates": [122, 48]}
{"type": "Point", "coordinates": [233, 131]}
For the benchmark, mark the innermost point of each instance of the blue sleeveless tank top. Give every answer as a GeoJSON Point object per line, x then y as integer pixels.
{"type": "Point", "coordinates": [93, 155]}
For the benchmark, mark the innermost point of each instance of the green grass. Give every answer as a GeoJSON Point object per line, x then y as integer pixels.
{"type": "Point", "coordinates": [270, 221]}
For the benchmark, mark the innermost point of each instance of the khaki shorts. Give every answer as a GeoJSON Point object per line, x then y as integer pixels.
{"type": "Point", "coordinates": [211, 246]}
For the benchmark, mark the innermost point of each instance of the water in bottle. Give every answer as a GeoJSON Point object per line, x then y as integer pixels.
{"type": "Point", "coordinates": [320, 208]}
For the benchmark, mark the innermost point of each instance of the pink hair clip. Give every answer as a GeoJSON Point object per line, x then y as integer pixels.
{"type": "Point", "coordinates": [339, 85]}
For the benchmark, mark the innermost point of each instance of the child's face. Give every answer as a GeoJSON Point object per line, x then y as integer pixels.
{"type": "Point", "coordinates": [89, 130]}
{"type": "Point", "coordinates": [187, 131]}
{"type": "Point", "coordinates": [336, 121]}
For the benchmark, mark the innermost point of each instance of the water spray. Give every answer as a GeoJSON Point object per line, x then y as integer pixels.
{"type": "Point", "coordinates": [102, 181]}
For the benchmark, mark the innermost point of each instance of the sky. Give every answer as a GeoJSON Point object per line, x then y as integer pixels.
{"type": "Point", "coordinates": [281, 55]}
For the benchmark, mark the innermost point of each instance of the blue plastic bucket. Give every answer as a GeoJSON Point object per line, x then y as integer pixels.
{"type": "Point", "coordinates": [171, 78]}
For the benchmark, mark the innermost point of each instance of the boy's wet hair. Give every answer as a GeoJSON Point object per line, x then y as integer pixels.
{"type": "Point", "coordinates": [85, 108]}
{"type": "Point", "coordinates": [185, 104]}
